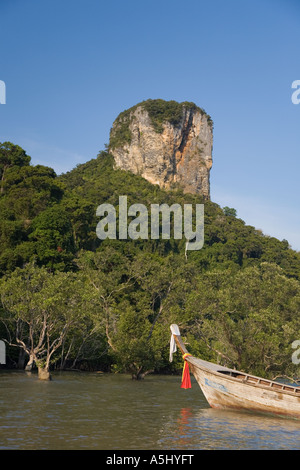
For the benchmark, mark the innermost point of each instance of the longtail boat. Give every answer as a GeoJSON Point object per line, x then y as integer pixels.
{"type": "Point", "coordinates": [227, 388]}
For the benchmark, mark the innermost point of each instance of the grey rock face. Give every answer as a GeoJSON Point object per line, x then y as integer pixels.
{"type": "Point", "coordinates": [177, 154]}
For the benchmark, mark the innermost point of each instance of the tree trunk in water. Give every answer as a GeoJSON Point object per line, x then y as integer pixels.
{"type": "Point", "coordinates": [21, 359]}
{"type": "Point", "coordinates": [139, 375]}
{"type": "Point", "coordinates": [43, 373]}
{"type": "Point", "coordinates": [30, 363]}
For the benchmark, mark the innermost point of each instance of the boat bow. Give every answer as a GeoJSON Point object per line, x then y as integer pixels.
{"type": "Point", "coordinates": [232, 389]}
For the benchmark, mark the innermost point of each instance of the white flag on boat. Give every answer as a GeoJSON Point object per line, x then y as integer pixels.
{"type": "Point", "coordinates": [173, 348]}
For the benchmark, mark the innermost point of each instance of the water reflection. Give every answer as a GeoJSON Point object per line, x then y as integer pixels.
{"type": "Point", "coordinates": [185, 417]}
{"type": "Point", "coordinates": [102, 411]}
{"type": "Point", "coordinates": [212, 429]}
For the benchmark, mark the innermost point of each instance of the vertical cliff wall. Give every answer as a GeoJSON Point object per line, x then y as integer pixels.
{"type": "Point", "coordinates": [167, 143]}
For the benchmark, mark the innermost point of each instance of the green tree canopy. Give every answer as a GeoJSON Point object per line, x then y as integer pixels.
{"type": "Point", "coordinates": [247, 319]}
{"type": "Point", "coordinates": [11, 155]}
{"type": "Point", "coordinates": [40, 309]}
{"type": "Point", "coordinates": [53, 236]}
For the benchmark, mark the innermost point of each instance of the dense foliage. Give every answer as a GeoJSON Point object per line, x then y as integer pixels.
{"type": "Point", "coordinates": [69, 299]}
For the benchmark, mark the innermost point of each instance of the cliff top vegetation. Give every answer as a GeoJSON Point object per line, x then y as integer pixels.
{"type": "Point", "coordinates": [159, 111]}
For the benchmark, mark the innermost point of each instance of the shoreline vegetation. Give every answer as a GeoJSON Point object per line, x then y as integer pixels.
{"type": "Point", "coordinates": [70, 300]}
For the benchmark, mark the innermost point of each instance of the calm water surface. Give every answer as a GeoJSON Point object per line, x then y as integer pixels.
{"type": "Point", "coordinates": [103, 411]}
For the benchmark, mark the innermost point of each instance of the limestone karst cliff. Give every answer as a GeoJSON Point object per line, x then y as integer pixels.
{"type": "Point", "coordinates": [167, 143]}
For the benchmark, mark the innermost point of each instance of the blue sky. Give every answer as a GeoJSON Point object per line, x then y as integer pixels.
{"type": "Point", "coordinates": [71, 66]}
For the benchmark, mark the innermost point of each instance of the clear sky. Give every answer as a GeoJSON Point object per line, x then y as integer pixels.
{"type": "Point", "coordinates": [71, 66]}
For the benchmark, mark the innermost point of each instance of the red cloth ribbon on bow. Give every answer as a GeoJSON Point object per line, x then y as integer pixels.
{"type": "Point", "coordinates": [186, 379]}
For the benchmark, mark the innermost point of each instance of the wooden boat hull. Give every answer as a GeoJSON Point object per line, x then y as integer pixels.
{"type": "Point", "coordinates": [226, 393]}
{"type": "Point", "coordinates": [226, 388]}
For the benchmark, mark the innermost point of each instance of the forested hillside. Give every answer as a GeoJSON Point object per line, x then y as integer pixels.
{"type": "Point", "coordinates": [69, 299]}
